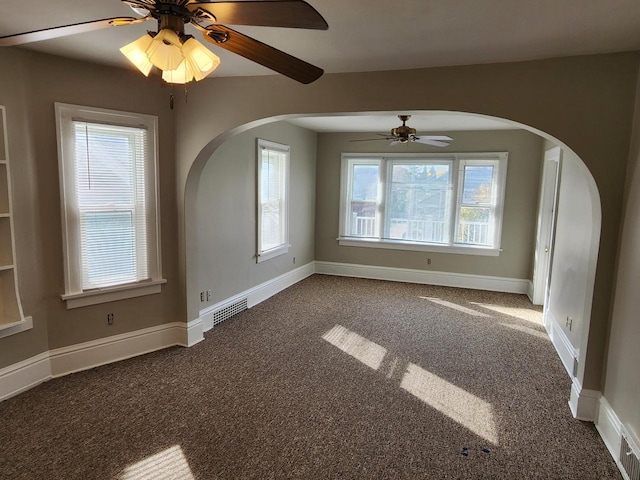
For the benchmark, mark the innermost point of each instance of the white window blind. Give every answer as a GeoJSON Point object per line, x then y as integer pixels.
{"type": "Point", "coordinates": [111, 201]}
{"type": "Point", "coordinates": [273, 199]}
{"type": "Point", "coordinates": [108, 183]}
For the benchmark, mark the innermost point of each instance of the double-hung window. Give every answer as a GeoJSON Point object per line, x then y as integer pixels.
{"type": "Point", "coordinates": [108, 163]}
{"type": "Point", "coordinates": [273, 199]}
{"type": "Point", "coordinates": [449, 203]}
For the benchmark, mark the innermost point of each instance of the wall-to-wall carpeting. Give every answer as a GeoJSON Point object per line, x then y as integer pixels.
{"type": "Point", "coordinates": [332, 378]}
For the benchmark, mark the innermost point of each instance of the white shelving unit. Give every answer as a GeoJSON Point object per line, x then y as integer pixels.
{"type": "Point", "coordinates": [12, 320]}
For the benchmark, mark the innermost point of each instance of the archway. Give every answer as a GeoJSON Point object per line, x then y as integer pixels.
{"type": "Point", "coordinates": [571, 340]}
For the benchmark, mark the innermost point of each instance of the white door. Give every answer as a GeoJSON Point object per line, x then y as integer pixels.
{"type": "Point", "coordinates": [546, 225]}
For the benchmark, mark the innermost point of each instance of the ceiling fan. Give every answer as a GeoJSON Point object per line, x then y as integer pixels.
{"type": "Point", "coordinates": [406, 134]}
{"type": "Point", "coordinates": [171, 50]}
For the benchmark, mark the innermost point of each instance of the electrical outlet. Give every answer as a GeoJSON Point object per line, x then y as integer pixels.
{"type": "Point", "coordinates": [202, 296]}
{"type": "Point", "coordinates": [428, 261]}
{"type": "Point", "coordinates": [110, 318]}
{"type": "Point", "coordinates": [569, 323]}
{"type": "Point", "coordinates": [294, 260]}
{"type": "Point", "coordinates": [209, 295]}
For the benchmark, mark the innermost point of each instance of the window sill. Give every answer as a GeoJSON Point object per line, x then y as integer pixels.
{"type": "Point", "coordinates": [274, 252]}
{"type": "Point", "coordinates": [419, 247]}
{"type": "Point", "coordinates": [111, 294]}
{"type": "Point", "coordinates": [16, 327]}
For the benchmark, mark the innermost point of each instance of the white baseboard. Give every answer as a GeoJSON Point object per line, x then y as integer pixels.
{"type": "Point", "coordinates": [584, 403]}
{"type": "Point", "coordinates": [259, 293]}
{"type": "Point", "coordinates": [447, 279]}
{"type": "Point", "coordinates": [92, 354]}
{"type": "Point", "coordinates": [24, 375]}
{"type": "Point", "coordinates": [609, 427]}
{"type": "Point", "coordinates": [566, 351]}
{"type": "Point", "coordinates": [530, 290]}
{"type": "Point", "coordinates": [268, 289]}
{"type": "Point", "coordinates": [190, 333]}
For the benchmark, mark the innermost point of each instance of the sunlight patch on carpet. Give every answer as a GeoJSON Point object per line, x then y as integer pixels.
{"type": "Point", "coordinates": [360, 348]}
{"type": "Point", "coordinates": [170, 464]}
{"type": "Point", "coordinates": [528, 314]}
{"type": "Point", "coordinates": [456, 403]}
{"type": "Point", "coordinates": [457, 307]}
{"type": "Point", "coordinates": [528, 330]}
{"type": "Point", "coordinates": [459, 405]}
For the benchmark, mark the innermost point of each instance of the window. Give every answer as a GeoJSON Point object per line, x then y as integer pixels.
{"type": "Point", "coordinates": [449, 203]}
{"type": "Point", "coordinates": [273, 200]}
{"type": "Point", "coordinates": [108, 180]}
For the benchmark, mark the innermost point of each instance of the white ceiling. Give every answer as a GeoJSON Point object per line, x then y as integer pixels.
{"type": "Point", "coordinates": [370, 35]}
{"type": "Point", "coordinates": [373, 35]}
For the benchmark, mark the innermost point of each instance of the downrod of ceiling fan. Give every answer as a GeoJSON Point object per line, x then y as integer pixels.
{"type": "Point", "coordinates": [175, 20]}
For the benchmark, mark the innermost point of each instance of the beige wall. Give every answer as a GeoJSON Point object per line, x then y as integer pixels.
{"type": "Point", "coordinates": [30, 83]}
{"type": "Point", "coordinates": [226, 205]}
{"type": "Point", "coordinates": [584, 102]}
{"type": "Point", "coordinates": [622, 381]}
{"type": "Point", "coordinates": [521, 195]}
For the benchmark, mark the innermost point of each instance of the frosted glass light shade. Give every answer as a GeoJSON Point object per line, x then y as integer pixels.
{"type": "Point", "coordinates": [136, 53]}
{"type": "Point", "coordinates": [182, 74]}
{"type": "Point", "coordinates": [180, 63]}
{"type": "Point", "coordinates": [165, 51]}
{"type": "Point", "coordinates": [201, 60]}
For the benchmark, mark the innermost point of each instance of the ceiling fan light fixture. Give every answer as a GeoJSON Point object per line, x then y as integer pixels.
{"type": "Point", "coordinates": [199, 58]}
{"type": "Point", "coordinates": [181, 75]}
{"type": "Point", "coordinates": [136, 53]}
{"type": "Point", "coordinates": [165, 50]}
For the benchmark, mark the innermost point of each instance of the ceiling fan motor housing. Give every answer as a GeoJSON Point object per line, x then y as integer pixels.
{"type": "Point", "coordinates": [403, 132]}
{"type": "Point", "coordinates": [172, 16]}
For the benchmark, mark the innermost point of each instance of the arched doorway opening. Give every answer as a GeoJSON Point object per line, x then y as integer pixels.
{"type": "Point", "coordinates": [577, 231]}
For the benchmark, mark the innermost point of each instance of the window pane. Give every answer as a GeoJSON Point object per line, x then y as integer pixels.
{"type": "Point", "coordinates": [473, 225]}
{"type": "Point", "coordinates": [272, 193]}
{"type": "Point", "coordinates": [418, 202]}
{"type": "Point", "coordinates": [105, 165]}
{"type": "Point", "coordinates": [478, 184]}
{"type": "Point", "coordinates": [108, 248]}
{"type": "Point", "coordinates": [111, 202]}
{"type": "Point", "coordinates": [364, 201]}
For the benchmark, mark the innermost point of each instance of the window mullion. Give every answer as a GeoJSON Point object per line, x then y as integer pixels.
{"type": "Point", "coordinates": [383, 195]}
{"type": "Point", "coordinates": [456, 200]}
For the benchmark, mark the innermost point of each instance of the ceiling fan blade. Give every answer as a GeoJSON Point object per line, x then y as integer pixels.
{"type": "Point", "coordinates": [273, 13]}
{"type": "Point", "coordinates": [262, 53]}
{"type": "Point", "coordinates": [55, 32]}
{"type": "Point", "coordinates": [442, 138]}
{"type": "Point", "coordinates": [368, 139]}
{"type": "Point", "coordinates": [429, 141]}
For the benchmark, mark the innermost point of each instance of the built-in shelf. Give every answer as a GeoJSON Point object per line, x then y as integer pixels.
{"type": "Point", "coordinates": [12, 320]}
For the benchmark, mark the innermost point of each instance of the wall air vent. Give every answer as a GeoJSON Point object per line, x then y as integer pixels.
{"type": "Point", "coordinates": [229, 311]}
{"type": "Point", "coordinates": [629, 457]}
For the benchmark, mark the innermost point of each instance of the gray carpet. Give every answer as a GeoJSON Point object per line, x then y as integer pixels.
{"type": "Point", "coordinates": [333, 378]}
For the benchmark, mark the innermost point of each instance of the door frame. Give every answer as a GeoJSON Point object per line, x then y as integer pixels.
{"type": "Point", "coordinates": [547, 211]}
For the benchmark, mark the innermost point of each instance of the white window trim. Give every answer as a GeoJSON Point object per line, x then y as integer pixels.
{"type": "Point", "coordinates": [74, 296]}
{"type": "Point", "coordinates": [457, 159]}
{"type": "Point", "coordinates": [263, 255]}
